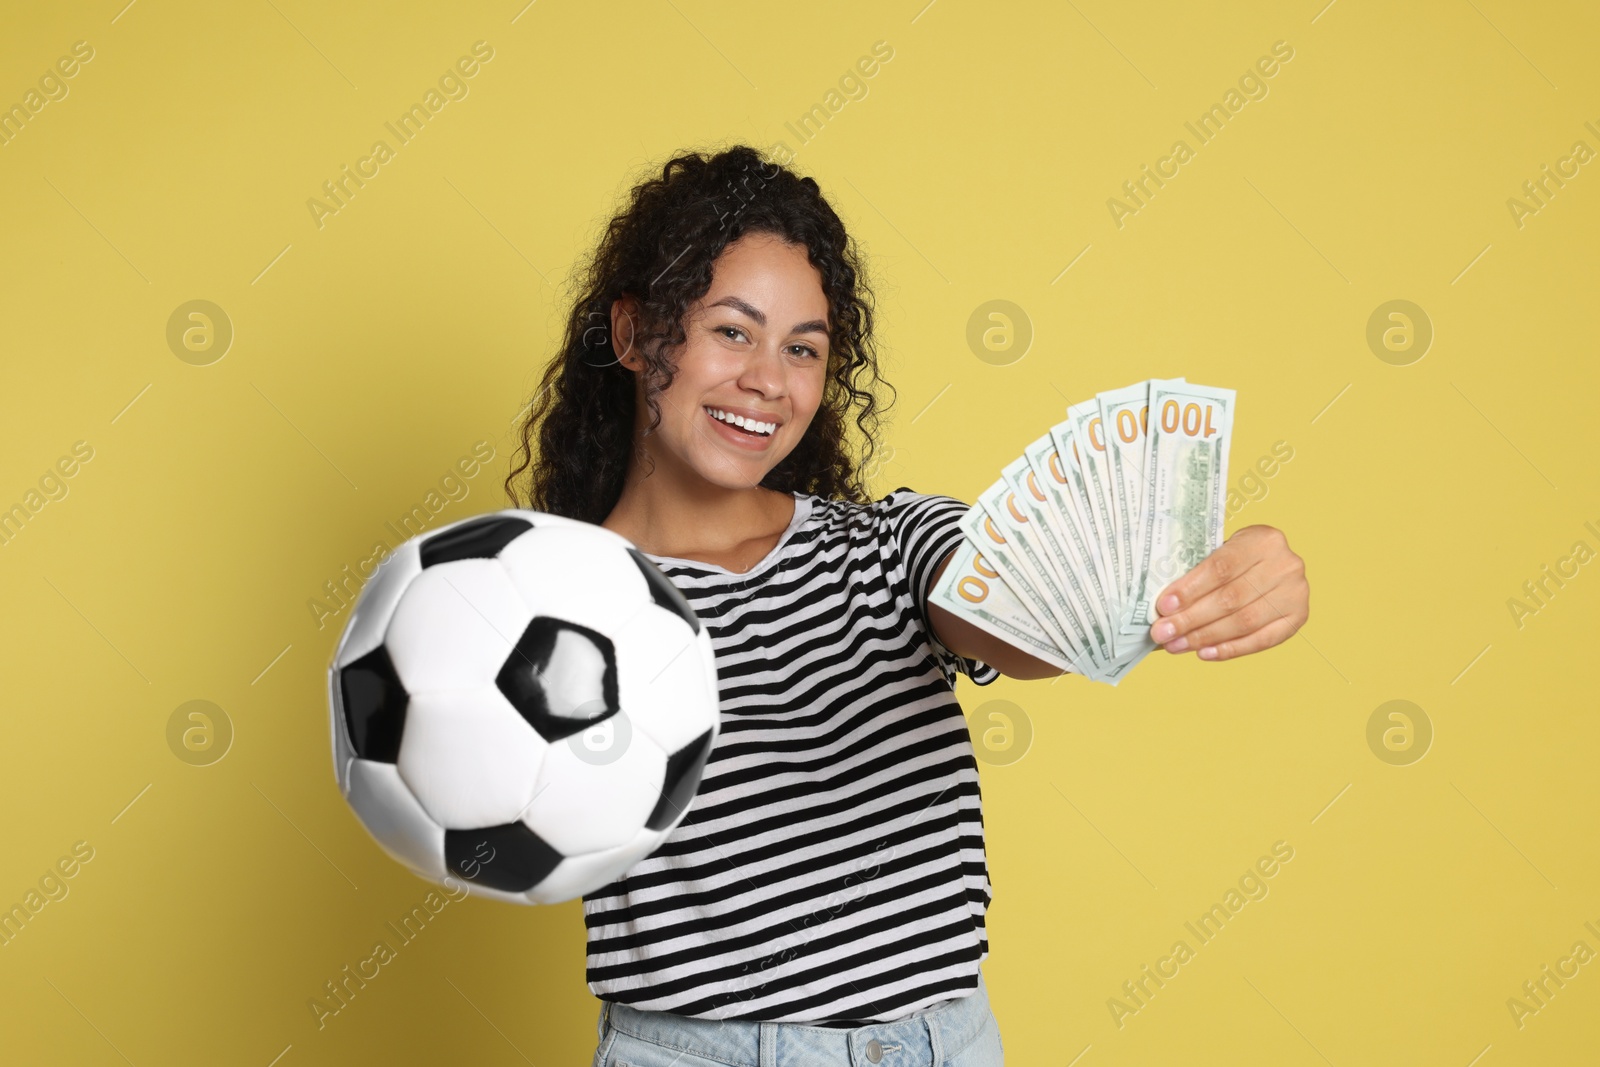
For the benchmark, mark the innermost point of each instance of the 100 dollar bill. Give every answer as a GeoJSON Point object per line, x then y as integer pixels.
{"type": "Point", "coordinates": [1050, 473]}
{"type": "Point", "coordinates": [1029, 492]}
{"type": "Point", "coordinates": [972, 589]}
{"type": "Point", "coordinates": [999, 528]}
{"type": "Point", "coordinates": [1185, 488]}
{"type": "Point", "coordinates": [1090, 452]}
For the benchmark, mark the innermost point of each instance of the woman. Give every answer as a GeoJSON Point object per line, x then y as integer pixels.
{"type": "Point", "coordinates": [823, 900]}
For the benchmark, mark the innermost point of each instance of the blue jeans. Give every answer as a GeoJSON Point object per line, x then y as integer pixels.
{"type": "Point", "coordinates": [960, 1034]}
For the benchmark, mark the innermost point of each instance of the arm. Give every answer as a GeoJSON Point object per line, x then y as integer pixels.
{"type": "Point", "coordinates": [965, 639]}
{"type": "Point", "coordinates": [1247, 596]}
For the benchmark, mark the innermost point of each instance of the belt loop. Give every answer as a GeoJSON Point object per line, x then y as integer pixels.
{"type": "Point", "coordinates": [605, 1013]}
{"type": "Point", "coordinates": [933, 1038]}
{"type": "Point", "coordinates": [767, 1045]}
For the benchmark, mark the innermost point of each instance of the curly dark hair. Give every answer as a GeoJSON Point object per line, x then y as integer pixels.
{"type": "Point", "coordinates": [660, 249]}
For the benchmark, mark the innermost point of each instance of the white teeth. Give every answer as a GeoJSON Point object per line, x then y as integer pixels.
{"type": "Point", "coordinates": [767, 428]}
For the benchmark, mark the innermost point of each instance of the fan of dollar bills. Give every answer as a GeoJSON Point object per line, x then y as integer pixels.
{"type": "Point", "coordinates": [1066, 552]}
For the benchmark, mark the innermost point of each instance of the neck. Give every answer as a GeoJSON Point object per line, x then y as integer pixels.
{"type": "Point", "coordinates": [675, 512]}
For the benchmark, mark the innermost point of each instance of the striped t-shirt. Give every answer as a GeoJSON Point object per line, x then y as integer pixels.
{"type": "Point", "coordinates": [831, 869]}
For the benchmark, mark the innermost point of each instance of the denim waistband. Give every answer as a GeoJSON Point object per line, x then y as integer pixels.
{"type": "Point", "coordinates": [929, 1036]}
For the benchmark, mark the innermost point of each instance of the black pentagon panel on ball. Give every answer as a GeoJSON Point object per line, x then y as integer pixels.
{"type": "Point", "coordinates": [374, 706]}
{"type": "Point", "coordinates": [474, 539]}
{"type": "Point", "coordinates": [663, 592]}
{"type": "Point", "coordinates": [559, 699]}
{"type": "Point", "coordinates": [509, 857]}
{"type": "Point", "coordinates": [682, 779]}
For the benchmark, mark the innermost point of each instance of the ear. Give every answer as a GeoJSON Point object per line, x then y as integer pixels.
{"type": "Point", "coordinates": [625, 319]}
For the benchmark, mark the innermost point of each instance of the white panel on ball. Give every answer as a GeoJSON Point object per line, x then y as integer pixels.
{"type": "Point", "coordinates": [366, 627]}
{"type": "Point", "coordinates": [469, 757]}
{"type": "Point", "coordinates": [573, 682]}
{"type": "Point", "coordinates": [661, 677]}
{"type": "Point", "coordinates": [343, 750]}
{"type": "Point", "coordinates": [573, 573]}
{"type": "Point", "coordinates": [455, 626]}
{"type": "Point", "coordinates": [593, 531]}
{"type": "Point", "coordinates": [578, 875]}
{"type": "Point", "coordinates": [597, 795]}
{"type": "Point", "coordinates": [545, 521]}
{"type": "Point", "coordinates": [391, 814]}
{"type": "Point", "coordinates": [493, 894]}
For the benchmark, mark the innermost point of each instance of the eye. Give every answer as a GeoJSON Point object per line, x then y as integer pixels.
{"type": "Point", "coordinates": [807, 349]}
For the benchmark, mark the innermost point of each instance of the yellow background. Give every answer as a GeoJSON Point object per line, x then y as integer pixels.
{"type": "Point", "coordinates": [369, 354]}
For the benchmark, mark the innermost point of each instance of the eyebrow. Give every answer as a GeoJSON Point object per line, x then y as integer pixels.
{"type": "Point", "coordinates": [813, 326]}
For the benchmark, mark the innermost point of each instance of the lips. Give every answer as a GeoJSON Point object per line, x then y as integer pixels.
{"type": "Point", "coordinates": [749, 420]}
{"type": "Point", "coordinates": [741, 437]}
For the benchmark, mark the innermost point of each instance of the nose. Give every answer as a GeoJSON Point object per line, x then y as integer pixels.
{"type": "Point", "coordinates": [764, 371]}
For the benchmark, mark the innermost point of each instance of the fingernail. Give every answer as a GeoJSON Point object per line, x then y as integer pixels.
{"type": "Point", "coordinates": [1179, 645]}
{"type": "Point", "coordinates": [1209, 652]}
{"type": "Point", "coordinates": [1163, 631]}
{"type": "Point", "coordinates": [1168, 604]}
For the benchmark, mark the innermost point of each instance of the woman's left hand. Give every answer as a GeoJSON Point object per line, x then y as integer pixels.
{"type": "Point", "coordinates": [1250, 594]}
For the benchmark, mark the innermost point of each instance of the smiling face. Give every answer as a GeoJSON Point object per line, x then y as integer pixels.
{"type": "Point", "coordinates": [751, 369]}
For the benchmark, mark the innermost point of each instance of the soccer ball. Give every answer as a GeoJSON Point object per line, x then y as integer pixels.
{"type": "Point", "coordinates": [522, 703]}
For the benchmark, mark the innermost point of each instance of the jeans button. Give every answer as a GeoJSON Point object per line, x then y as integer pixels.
{"type": "Point", "coordinates": [874, 1050]}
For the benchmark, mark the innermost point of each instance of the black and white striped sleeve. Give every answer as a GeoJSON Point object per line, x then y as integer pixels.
{"type": "Point", "coordinates": [921, 529]}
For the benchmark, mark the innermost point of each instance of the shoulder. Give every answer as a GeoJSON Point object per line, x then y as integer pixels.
{"type": "Point", "coordinates": [915, 515]}
{"type": "Point", "coordinates": [909, 530]}
{"type": "Point", "coordinates": [896, 514]}
{"type": "Point", "coordinates": [896, 503]}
